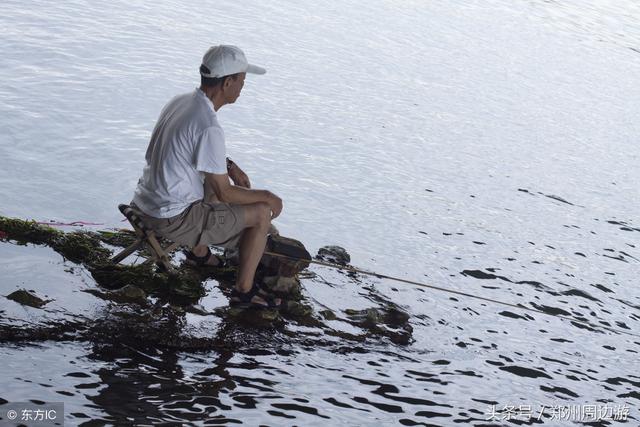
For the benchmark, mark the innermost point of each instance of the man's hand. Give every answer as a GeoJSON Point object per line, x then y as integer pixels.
{"type": "Point", "coordinates": [275, 203]}
{"type": "Point", "coordinates": [238, 176]}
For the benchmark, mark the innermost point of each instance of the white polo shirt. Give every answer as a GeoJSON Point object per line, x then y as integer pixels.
{"type": "Point", "coordinates": [186, 141]}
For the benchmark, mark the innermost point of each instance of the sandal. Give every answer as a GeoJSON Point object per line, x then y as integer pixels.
{"type": "Point", "coordinates": [244, 299]}
{"type": "Point", "coordinates": [203, 261]}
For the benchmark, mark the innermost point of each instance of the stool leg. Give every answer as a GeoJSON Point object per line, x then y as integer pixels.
{"type": "Point", "coordinates": [163, 258]}
{"type": "Point", "coordinates": [128, 251]}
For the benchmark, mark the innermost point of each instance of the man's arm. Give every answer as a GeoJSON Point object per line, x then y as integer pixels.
{"type": "Point", "coordinates": [237, 175]}
{"type": "Point", "coordinates": [228, 193]}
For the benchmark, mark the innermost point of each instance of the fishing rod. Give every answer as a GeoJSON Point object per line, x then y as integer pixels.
{"type": "Point", "coordinates": [451, 291]}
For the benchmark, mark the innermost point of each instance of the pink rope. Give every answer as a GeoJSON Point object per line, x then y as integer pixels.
{"type": "Point", "coordinates": [68, 224]}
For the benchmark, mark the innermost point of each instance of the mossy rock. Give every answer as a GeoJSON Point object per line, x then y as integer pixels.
{"type": "Point", "coordinates": [120, 238]}
{"type": "Point", "coordinates": [296, 309]}
{"type": "Point", "coordinates": [126, 294]}
{"type": "Point", "coordinates": [81, 247]}
{"type": "Point", "coordinates": [288, 286]}
{"type": "Point", "coordinates": [115, 276]}
{"type": "Point", "coordinates": [334, 254]}
{"type": "Point", "coordinates": [24, 297]}
{"type": "Point", "coordinates": [250, 316]}
{"type": "Point", "coordinates": [328, 315]}
{"type": "Point", "coordinates": [28, 231]}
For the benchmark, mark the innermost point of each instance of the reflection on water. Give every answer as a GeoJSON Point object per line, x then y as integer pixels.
{"type": "Point", "coordinates": [484, 147]}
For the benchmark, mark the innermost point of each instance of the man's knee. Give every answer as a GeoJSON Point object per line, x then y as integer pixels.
{"type": "Point", "coordinates": [264, 214]}
{"type": "Point", "coordinates": [259, 215]}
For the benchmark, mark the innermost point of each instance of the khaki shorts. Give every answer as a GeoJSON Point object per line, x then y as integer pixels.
{"type": "Point", "coordinates": [202, 223]}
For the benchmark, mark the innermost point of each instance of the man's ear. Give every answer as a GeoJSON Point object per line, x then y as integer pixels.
{"type": "Point", "coordinates": [227, 82]}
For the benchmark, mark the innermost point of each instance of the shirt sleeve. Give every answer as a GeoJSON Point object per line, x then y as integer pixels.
{"type": "Point", "coordinates": [210, 153]}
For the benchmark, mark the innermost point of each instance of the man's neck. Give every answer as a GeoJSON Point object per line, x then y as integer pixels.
{"type": "Point", "coordinates": [214, 95]}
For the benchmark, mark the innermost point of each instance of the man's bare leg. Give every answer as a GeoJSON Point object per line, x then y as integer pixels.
{"type": "Point", "coordinates": [252, 243]}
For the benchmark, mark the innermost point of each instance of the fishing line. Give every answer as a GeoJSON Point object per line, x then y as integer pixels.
{"type": "Point", "coordinates": [452, 291]}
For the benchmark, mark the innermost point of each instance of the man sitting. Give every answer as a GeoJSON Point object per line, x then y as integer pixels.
{"type": "Point", "coordinates": [184, 193]}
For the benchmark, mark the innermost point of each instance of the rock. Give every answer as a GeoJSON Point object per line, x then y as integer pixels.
{"type": "Point", "coordinates": [128, 294]}
{"type": "Point", "coordinates": [24, 297]}
{"type": "Point", "coordinates": [328, 315]}
{"type": "Point", "coordinates": [294, 259]}
{"type": "Point", "coordinates": [295, 308]}
{"type": "Point", "coordinates": [390, 322]}
{"type": "Point", "coordinates": [283, 285]}
{"type": "Point", "coordinates": [250, 316]}
{"type": "Point", "coordinates": [334, 254]}
{"type": "Point", "coordinates": [396, 317]}
{"type": "Point", "coordinates": [368, 318]}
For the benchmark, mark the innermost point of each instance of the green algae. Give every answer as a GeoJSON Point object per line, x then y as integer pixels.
{"type": "Point", "coordinates": [28, 231]}
{"type": "Point", "coordinates": [81, 247]}
{"type": "Point", "coordinates": [87, 248]}
{"type": "Point", "coordinates": [121, 238]}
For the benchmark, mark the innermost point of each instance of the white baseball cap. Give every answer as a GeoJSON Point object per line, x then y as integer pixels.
{"type": "Point", "coordinates": [224, 60]}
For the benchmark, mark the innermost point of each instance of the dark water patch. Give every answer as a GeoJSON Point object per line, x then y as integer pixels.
{"type": "Point", "coordinates": [622, 325]}
{"type": "Point", "coordinates": [441, 362]}
{"type": "Point", "coordinates": [633, 394]}
{"type": "Point", "coordinates": [77, 375]}
{"type": "Point", "coordinates": [486, 402]}
{"type": "Point", "coordinates": [536, 285]}
{"type": "Point", "coordinates": [602, 287]}
{"type": "Point", "coordinates": [299, 408]}
{"type": "Point", "coordinates": [245, 402]}
{"type": "Point", "coordinates": [404, 399]}
{"type": "Point", "coordinates": [550, 310]}
{"type": "Point", "coordinates": [339, 404]}
{"type": "Point", "coordinates": [558, 198]}
{"type": "Point", "coordinates": [477, 274]}
{"type": "Point", "coordinates": [579, 293]}
{"type": "Point", "coordinates": [624, 226]}
{"type": "Point", "coordinates": [408, 422]}
{"type": "Point", "coordinates": [420, 374]}
{"type": "Point", "coordinates": [549, 359]}
{"type": "Point", "coordinates": [525, 372]}
{"type": "Point", "coordinates": [580, 253]}
{"type": "Point", "coordinates": [583, 374]}
{"type": "Point", "coordinates": [465, 373]}
{"type": "Point", "coordinates": [515, 316]}
{"type": "Point", "coordinates": [430, 414]}
{"type": "Point", "coordinates": [479, 243]}
{"type": "Point", "coordinates": [617, 258]}
{"type": "Point", "coordinates": [561, 390]}
{"type": "Point", "coordinates": [382, 406]}
{"type": "Point", "coordinates": [584, 326]}
{"type": "Point", "coordinates": [277, 414]}
{"type": "Point", "coordinates": [628, 256]}
{"type": "Point", "coordinates": [627, 303]}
